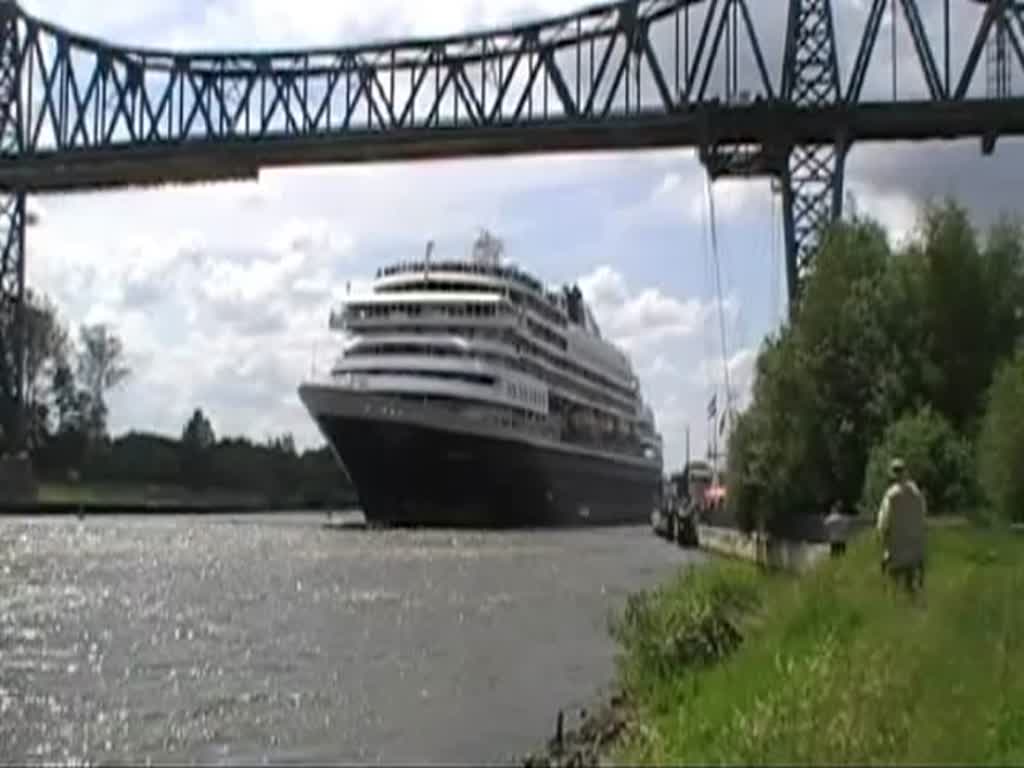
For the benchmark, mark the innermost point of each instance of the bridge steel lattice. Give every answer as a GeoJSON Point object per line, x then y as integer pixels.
{"type": "Point", "coordinates": [78, 113]}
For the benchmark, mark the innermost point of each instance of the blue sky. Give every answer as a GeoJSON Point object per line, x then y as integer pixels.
{"type": "Point", "coordinates": [221, 292]}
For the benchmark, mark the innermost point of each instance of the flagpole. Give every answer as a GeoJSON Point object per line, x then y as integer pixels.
{"type": "Point", "coordinates": [712, 413]}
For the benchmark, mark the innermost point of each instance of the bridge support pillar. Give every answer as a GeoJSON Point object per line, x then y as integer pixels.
{"type": "Point", "coordinates": [12, 239]}
{"type": "Point", "coordinates": [812, 179]}
{"type": "Point", "coordinates": [12, 318]}
{"type": "Point", "coordinates": [812, 198]}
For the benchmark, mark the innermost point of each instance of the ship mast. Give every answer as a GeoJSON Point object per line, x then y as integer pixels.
{"type": "Point", "coordinates": [488, 249]}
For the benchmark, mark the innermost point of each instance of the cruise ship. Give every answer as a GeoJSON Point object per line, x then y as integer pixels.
{"type": "Point", "coordinates": [468, 394]}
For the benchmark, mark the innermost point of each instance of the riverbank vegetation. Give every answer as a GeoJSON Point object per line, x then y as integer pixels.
{"type": "Point", "coordinates": [730, 665]}
{"type": "Point", "coordinates": [914, 348]}
{"type": "Point", "coordinates": [69, 378]}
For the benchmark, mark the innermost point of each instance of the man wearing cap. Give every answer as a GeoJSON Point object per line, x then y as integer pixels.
{"type": "Point", "coordinates": [901, 527]}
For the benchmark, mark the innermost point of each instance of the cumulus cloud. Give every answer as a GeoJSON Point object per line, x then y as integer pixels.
{"type": "Point", "coordinates": [640, 320]}
{"type": "Point", "coordinates": [666, 337]}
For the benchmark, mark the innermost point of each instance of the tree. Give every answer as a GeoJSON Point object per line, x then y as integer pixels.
{"type": "Point", "coordinates": [1004, 287]}
{"type": "Point", "coordinates": [879, 336]}
{"type": "Point", "coordinates": [1001, 443]}
{"type": "Point", "coordinates": [197, 440]}
{"type": "Point", "coordinates": [198, 432]}
{"type": "Point", "coordinates": [845, 353]}
{"type": "Point", "coordinates": [937, 458]}
{"type": "Point", "coordinates": [966, 298]}
{"type": "Point", "coordinates": [101, 367]}
{"type": "Point", "coordinates": [46, 342]}
{"type": "Point", "coordinates": [46, 351]}
{"type": "Point", "coordinates": [823, 389]}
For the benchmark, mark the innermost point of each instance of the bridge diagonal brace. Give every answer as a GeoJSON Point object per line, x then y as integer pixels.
{"type": "Point", "coordinates": [993, 10]}
{"type": "Point", "coordinates": [1015, 38]}
{"type": "Point", "coordinates": [709, 64]}
{"type": "Point", "coordinates": [864, 50]}
{"type": "Point", "coordinates": [558, 80]}
{"type": "Point", "coordinates": [755, 44]}
{"type": "Point", "coordinates": [659, 75]}
{"type": "Point", "coordinates": [919, 35]}
{"type": "Point", "coordinates": [464, 90]}
{"type": "Point", "coordinates": [505, 79]}
{"type": "Point", "coordinates": [699, 55]}
{"type": "Point", "coordinates": [124, 99]}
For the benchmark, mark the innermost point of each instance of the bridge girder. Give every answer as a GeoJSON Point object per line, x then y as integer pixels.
{"type": "Point", "coordinates": [79, 113]}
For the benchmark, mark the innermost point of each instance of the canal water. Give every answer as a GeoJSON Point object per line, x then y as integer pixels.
{"type": "Point", "coordinates": [271, 639]}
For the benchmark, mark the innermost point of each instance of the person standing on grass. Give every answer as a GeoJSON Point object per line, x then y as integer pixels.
{"type": "Point", "coordinates": [837, 529]}
{"type": "Point", "coordinates": [901, 528]}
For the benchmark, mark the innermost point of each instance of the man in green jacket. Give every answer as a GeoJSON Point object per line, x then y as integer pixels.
{"type": "Point", "coordinates": [901, 528]}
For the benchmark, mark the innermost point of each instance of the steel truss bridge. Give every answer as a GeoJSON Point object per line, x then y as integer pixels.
{"type": "Point", "coordinates": [77, 113]}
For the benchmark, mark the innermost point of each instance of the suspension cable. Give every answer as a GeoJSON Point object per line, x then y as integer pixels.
{"type": "Point", "coordinates": [709, 386]}
{"type": "Point", "coordinates": [774, 251]}
{"type": "Point", "coordinates": [718, 293]}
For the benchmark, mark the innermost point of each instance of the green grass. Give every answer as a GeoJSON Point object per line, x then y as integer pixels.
{"type": "Point", "coordinates": [832, 666]}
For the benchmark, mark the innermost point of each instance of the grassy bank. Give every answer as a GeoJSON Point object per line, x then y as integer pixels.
{"type": "Point", "coordinates": [89, 493]}
{"type": "Point", "coordinates": [94, 494]}
{"type": "Point", "coordinates": [730, 665]}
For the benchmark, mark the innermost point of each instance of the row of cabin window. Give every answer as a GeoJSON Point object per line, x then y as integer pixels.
{"type": "Point", "coordinates": [398, 349]}
{"type": "Point", "coordinates": [490, 357]}
{"type": "Point", "coordinates": [533, 349]}
{"type": "Point", "coordinates": [456, 310]}
{"type": "Point", "coordinates": [495, 411]}
{"type": "Point", "coordinates": [417, 310]}
{"type": "Point", "coordinates": [537, 304]}
{"type": "Point", "coordinates": [583, 373]}
{"type": "Point", "coordinates": [472, 378]}
{"type": "Point", "coordinates": [543, 306]}
{"type": "Point", "coordinates": [552, 338]}
{"type": "Point", "coordinates": [596, 381]}
{"type": "Point", "coordinates": [526, 394]}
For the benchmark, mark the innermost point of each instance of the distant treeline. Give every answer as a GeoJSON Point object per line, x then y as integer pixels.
{"type": "Point", "coordinates": [272, 472]}
{"type": "Point", "coordinates": [64, 423]}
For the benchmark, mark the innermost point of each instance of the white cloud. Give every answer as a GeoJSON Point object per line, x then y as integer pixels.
{"type": "Point", "coordinates": [895, 211]}
{"type": "Point", "coordinates": [666, 337]}
{"type": "Point", "coordinates": [688, 193]}
{"type": "Point", "coordinates": [248, 24]}
{"type": "Point", "coordinates": [638, 321]}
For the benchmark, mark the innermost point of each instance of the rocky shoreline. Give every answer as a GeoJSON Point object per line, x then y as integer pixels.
{"type": "Point", "coordinates": [590, 741]}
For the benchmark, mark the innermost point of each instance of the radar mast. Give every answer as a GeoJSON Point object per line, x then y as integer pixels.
{"type": "Point", "coordinates": [488, 249]}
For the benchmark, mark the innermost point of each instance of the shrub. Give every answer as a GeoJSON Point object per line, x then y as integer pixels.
{"type": "Point", "coordinates": [688, 624]}
{"type": "Point", "coordinates": [1001, 443]}
{"type": "Point", "coordinates": [937, 458]}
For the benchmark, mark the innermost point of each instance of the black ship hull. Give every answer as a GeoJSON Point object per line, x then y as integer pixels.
{"type": "Point", "coordinates": [409, 474]}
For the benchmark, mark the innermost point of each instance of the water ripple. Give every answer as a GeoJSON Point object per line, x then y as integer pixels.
{"type": "Point", "coordinates": [272, 640]}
